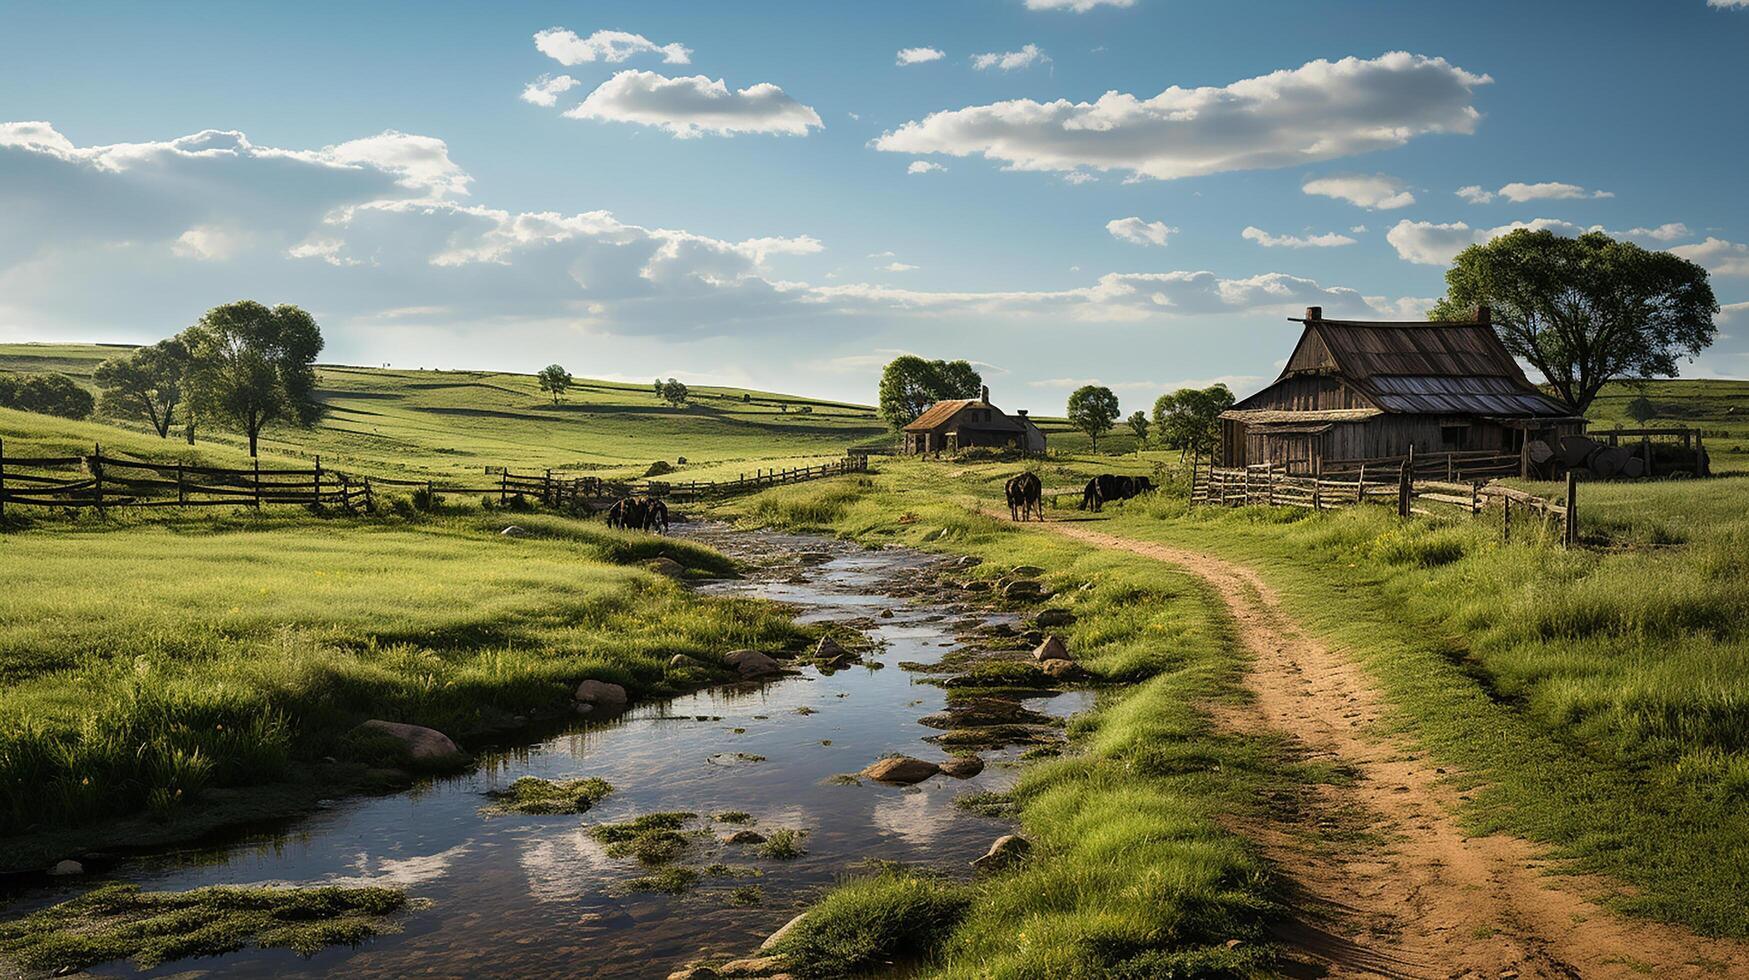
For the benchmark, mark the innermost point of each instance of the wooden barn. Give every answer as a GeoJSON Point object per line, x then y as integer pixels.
{"type": "Point", "coordinates": [1360, 390]}
{"type": "Point", "coordinates": [962, 423]}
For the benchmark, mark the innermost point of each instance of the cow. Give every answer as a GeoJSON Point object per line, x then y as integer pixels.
{"type": "Point", "coordinates": [627, 512]}
{"type": "Point", "coordinates": [655, 515]}
{"type": "Point", "coordinates": [1023, 494]}
{"type": "Point", "coordinates": [1110, 487]}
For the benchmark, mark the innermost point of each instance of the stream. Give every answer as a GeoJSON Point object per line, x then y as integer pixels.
{"type": "Point", "coordinates": [511, 894]}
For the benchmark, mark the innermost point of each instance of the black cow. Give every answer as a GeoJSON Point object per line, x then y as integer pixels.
{"type": "Point", "coordinates": [627, 512]}
{"type": "Point", "coordinates": [1023, 494]}
{"type": "Point", "coordinates": [655, 515]}
{"type": "Point", "coordinates": [1109, 487]}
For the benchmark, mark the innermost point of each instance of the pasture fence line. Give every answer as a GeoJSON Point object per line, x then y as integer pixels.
{"type": "Point", "coordinates": [100, 481]}
{"type": "Point", "coordinates": [1399, 486]}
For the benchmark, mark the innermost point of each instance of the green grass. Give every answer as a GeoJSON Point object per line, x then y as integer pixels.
{"type": "Point", "coordinates": [119, 921]}
{"type": "Point", "coordinates": [454, 423]}
{"type": "Point", "coordinates": [1132, 871]}
{"type": "Point", "coordinates": [545, 797]}
{"type": "Point", "coordinates": [144, 661]}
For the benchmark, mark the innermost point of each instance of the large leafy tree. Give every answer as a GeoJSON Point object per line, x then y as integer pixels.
{"type": "Point", "coordinates": [554, 380]}
{"type": "Point", "coordinates": [253, 365]}
{"type": "Point", "coordinates": [1189, 418]}
{"type": "Point", "coordinates": [1093, 409]}
{"type": "Point", "coordinates": [147, 382]}
{"type": "Point", "coordinates": [910, 384]}
{"type": "Point", "coordinates": [1584, 311]}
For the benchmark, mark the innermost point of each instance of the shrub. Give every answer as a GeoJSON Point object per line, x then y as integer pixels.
{"type": "Point", "coordinates": [660, 467]}
{"type": "Point", "coordinates": [47, 394]}
{"type": "Point", "coordinates": [865, 924]}
{"type": "Point", "coordinates": [426, 499]}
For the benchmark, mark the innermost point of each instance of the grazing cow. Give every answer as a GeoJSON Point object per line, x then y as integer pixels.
{"type": "Point", "coordinates": [1090, 498]}
{"type": "Point", "coordinates": [655, 515]}
{"type": "Point", "coordinates": [628, 512]}
{"type": "Point", "coordinates": [1023, 494]}
{"type": "Point", "coordinates": [1110, 487]}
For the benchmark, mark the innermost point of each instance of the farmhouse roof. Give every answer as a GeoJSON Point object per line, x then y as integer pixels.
{"type": "Point", "coordinates": [942, 412]}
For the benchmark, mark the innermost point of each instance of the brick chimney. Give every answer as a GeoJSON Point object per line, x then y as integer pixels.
{"type": "Point", "coordinates": [1484, 316]}
{"type": "Point", "coordinates": [984, 394]}
{"type": "Point", "coordinates": [1314, 313]}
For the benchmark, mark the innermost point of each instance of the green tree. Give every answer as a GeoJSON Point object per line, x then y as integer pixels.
{"type": "Point", "coordinates": [1138, 423]}
{"type": "Point", "coordinates": [1642, 410]}
{"type": "Point", "coordinates": [910, 384]}
{"type": "Point", "coordinates": [147, 382]}
{"type": "Point", "coordinates": [1584, 311]}
{"type": "Point", "coordinates": [554, 380]}
{"type": "Point", "coordinates": [253, 365]}
{"type": "Point", "coordinates": [1189, 418]}
{"type": "Point", "coordinates": [675, 393]}
{"type": "Point", "coordinates": [47, 394]}
{"type": "Point", "coordinates": [1093, 409]}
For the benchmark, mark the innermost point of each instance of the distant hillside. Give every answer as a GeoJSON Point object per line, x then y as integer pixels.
{"type": "Point", "coordinates": [384, 421]}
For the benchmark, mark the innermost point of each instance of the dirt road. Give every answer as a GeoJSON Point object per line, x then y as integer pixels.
{"type": "Point", "coordinates": [1417, 897]}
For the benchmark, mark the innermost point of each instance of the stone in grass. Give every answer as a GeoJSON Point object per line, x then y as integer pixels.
{"type": "Point", "coordinates": [744, 837]}
{"type": "Point", "coordinates": [1006, 850]}
{"type": "Point", "coordinates": [68, 867]}
{"type": "Point", "coordinates": [600, 695]}
{"type": "Point", "coordinates": [963, 766]}
{"type": "Point", "coordinates": [425, 746]}
{"type": "Point", "coordinates": [681, 661]}
{"type": "Point", "coordinates": [1023, 589]}
{"type": "Point", "coordinates": [1028, 571]}
{"type": "Point", "coordinates": [1052, 648]}
{"type": "Point", "coordinates": [1058, 669]}
{"type": "Point", "coordinates": [752, 966]}
{"type": "Point", "coordinates": [694, 973]}
{"type": "Point", "coordinates": [751, 663]}
{"type": "Point", "coordinates": [666, 566]}
{"type": "Point", "coordinates": [772, 941]}
{"type": "Point", "coordinates": [1054, 616]}
{"type": "Point", "coordinates": [901, 769]}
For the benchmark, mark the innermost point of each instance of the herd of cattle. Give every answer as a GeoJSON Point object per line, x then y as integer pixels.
{"type": "Point", "coordinates": [648, 514]}
{"type": "Point", "coordinates": [1025, 491]}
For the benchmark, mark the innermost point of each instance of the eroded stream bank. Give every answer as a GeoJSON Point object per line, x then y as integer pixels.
{"type": "Point", "coordinates": [513, 894]}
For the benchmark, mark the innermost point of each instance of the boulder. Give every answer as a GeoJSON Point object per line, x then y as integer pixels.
{"type": "Point", "coordinates": [694, 973]}
{"type": "Point", "coordinates": [515, 532]}
{"type": "Point", "coordinates": [828, 649]}
{"type": "Point", "coordinates": [666, 566]}
{"type": "Point", "coordinates": [1061, 670]}
{"type": "Point", "coordinates": [1055, 616]}
{"type": "Point", "coordinates": [1028, 571]}
{"type": "Point", "coordinates": [744, 836]}
{"type": "Point", "coordinates": [751, 663]}
{"type": "Point", "coordinates": [1006, 850]}
{"type": "Point", "coordinates": [1052, 648]}
{"type": "Point", "coordinates": [976, 585]}
{"type": "Point", "coordinates": [901, 769]}
{"type": "Point", "coordinates": [64, 868]}
{"type": "Point", "coordinates": [604, 695]}
{"type": "Point", "coordinates": [1607, 462]}
{"type": "Point", "coordinates": [422, 744]}
{"type": "Point", "coordinates": [1025, 588]}
{"type": "Point", "coordinates": [752, 966]}
{"type": "Point", "coordinates": [1634, 468]}
{"type": "Point", "coordinates": [1577, 450]}
{"type": "Point", "coordinates": [963, 766]}
{"type": "Point", "coordinates": [782, 934]}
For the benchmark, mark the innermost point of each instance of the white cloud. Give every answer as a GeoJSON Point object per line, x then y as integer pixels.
{"type": "Point", "coordinates": [1264, 238]}
{"type": "Point", "coordinates": [568, 49]}
{"type": "Point", "coordinates": [692, 105]}
{"type": "Point", "coordinates": [924, 167]}
{"type": "Point", "coordinates": [1081, 6]}
{"type": "Point", "coordinates": [545, 90]}
{"type": "Point", "coordinates": [897, 267]}
{"type": "Point", "coordinates": [1375, 192]}
{"type": "Point", "coordinates": [1475, 194]}
{"type": "Point", "coordinates": [917, 56]}
{"type": "Point", "coordinates": [1426, 243]}
{"type": "Point", "coordinates": [1357, 230]}
{"type": "Point", "coordinates": [1009, 60]}
{"type": "Point", "coordinates": [1663, 233]}
{"type": "Point", "coordinates": [1728, 4]}
{"type": "Point", "coordinates": [1519, 192]}
{"type": "Point", "coordinates": [1731, 311]}
{"type": "Point", "coordinates": [1078, 177]}
{"type": "Point", "coordinates": [1139, 232]}
{"type": "Point", "coordinates": [1322, 110]}
{"type": "Point", "coordinates": [1721, 258]}
{"type": "Point", "coordinates": [211, 243]}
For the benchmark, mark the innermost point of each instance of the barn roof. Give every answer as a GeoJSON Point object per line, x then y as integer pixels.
{"type": "Point", "coordinates": [942, 412]}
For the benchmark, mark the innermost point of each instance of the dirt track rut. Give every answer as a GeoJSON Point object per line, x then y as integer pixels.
{"type": "Point", "coordinates": [1421, 898]}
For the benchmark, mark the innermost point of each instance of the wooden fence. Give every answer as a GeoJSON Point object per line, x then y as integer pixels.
{"type": "Point", "coordinates": [100, 481]}
{"type": "Point", "coordinates": [1398, 486]}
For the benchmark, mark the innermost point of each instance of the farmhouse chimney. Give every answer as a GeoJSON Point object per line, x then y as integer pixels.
{"type": "Point", "coordinates": [984, 394]}
{"type": "Point", "coordinates": [1314, 313]}
{"type": "Point", "coordinates": [1484, 316]}
{"type": "Point", "coordinates": [1020, 412]}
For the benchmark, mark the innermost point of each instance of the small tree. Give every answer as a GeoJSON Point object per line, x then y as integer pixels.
{"type": "Point", "coordinates": [1189, 418]}
{"type": "Point", "coordinates": [47, 394]}
{"type": "Point", "coordinates": [554, 380]}
{"type": "Point", "coordinates": [1138, 423]}
{"type": "Point", "coordinates": [1093, 409]}
{"type": "Point", "coordinates": [910, 384]}
{"type": "Point", "coordinates": [147, 382]}
{"type": "Point", "coordinates": [1642, 410]}
{"type": "Point", "coordinates": [1584, 311]}
{"type": "Point", "coordinates": [254, 365]}
{"type": "Point", "coordinates": [674, 392]}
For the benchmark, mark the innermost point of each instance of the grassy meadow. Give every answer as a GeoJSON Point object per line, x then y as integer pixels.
{"type": "Point", "coordinates": [146, 661]}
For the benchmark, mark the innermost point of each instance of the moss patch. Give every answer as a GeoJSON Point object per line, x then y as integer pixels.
{"type": "Point", "coordinates": [545, 797]}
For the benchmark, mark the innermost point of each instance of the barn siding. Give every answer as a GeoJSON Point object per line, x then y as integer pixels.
{"type": "Point", "coordinates": [1307, 393]}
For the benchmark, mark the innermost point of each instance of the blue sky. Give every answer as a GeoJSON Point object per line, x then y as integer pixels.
{"type": "Point", "coordinates": [1142, 242]}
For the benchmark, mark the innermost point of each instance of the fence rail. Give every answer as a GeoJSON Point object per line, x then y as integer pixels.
{"type": "Point", "coordinates": [100, 481]}
{"type": "Point", "coordinates": [1397, 485]}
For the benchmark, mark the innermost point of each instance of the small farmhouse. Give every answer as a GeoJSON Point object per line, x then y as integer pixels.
{"type": "Point", "coordinates": [962, 423]}
{"type": "Point", "coordinates": [1357, 390]}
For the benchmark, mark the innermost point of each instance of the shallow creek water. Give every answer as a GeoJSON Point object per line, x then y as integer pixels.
{"type": "Point", "coordinates": [514, 895]}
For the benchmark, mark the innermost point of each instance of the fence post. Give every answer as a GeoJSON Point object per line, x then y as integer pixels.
{"type": "Point", "coordinates": [1360, 486]}
{"type": "Point", "coordinates": [1269, 476]}
{"type": "Point", "coordinates": [1247, 498]}
{"type": "Point", "coordinates": [370, 503]}
{"type": "Point", "coordinates": [1405, 484]}
{"type": "Point", "coordinates": [97, 475]}
{"type": "Point", "coordinates": [346, 492]}
{"type": "Point", "coordinates": [1450, 466]}
{"type": "Point", "coordinates": [1570, 525]}
{"type": "Point", "coordinates": [316, 497]}
{"type": "Point", "coordinates": [257, 461]}
{"type": "Point", "coordinates": [546, 492]}
{"type": "Point", "coordinates": [2, 479]}
{"type": "Point", "coordinates": [1646, 452]}
{"type": "Point", "coordinates": [181, 487]}
{"type": "Point", "coordinates": [1524, 455]}
{"type": "Point", "coordinates": [503, 485]}
{"type": "Point", "coordinates": [1193, 462]}
{"type": "Point", "coordinates": [1506, 519]}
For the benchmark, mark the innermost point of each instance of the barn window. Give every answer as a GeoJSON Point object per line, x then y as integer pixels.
{"type": "Point", "coordinates": [1453, 438]}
